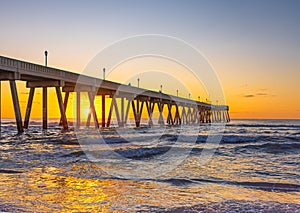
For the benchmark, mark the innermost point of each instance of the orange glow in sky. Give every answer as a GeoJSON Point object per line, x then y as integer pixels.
{"type": "Point", "coordinates": [255, 56]}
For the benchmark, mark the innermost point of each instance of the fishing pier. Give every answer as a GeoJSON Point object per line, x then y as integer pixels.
{"type": "Point", "coordinates": [177, 110]}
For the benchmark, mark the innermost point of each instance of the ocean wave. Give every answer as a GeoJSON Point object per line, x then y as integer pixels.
{"type": "Point", "coordinates": [236, 139]}
{"type": "Point", "coordinates": [239, 139]}
{"type": "Point", "coordinates": [74, 154]}
{"type": "Point", "coordinates": [136, 153]}
{"type": "Point", "coordinates": [8, 171]}
{"type": "Point", "coordinates": [236, 206]}
{"type": "Point", "coordinates": [271, 148]}
{"type": "Point", "coordinates": [266, 186]}
{"type": "Point", "coordinates": [265, 125]}
{"type": "Point", "coordinates": [142, 153]}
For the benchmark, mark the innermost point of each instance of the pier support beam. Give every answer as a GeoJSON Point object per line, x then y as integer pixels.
{"type": "Point", "coordinates": [228, 117]}
{"type": "Point", "coordinates": [93, 110]}
{"type": "Point", "coordinates": [134, 113]}
{"type": "Point", "coordinates": [183, 116]}
{"type": "Point", "coordinates": [61, 108]}
{"type": "Point", "coordinates": [218, 116]}
{"type": "Point", "coordinates": [150, 108]}
{"type": "Point", "coordinates": [0, 106]}
{"type": "Point", "coordinates": [223, 116]}
{"type": "Point", "coordinates": [160, 109]}
{"type": "Point", "coordinates": [141, 112]}
{"type": "Point", "coordinates": [177, 119]}
{"type": "Point", "coordinates": [127, 110]}
{"type": "Point", "coordinates": [188, 115]}
{"type": "Point", "coordinates": [115, 105]}
{"type": "Point", "coordinates": [170, 120]}
{"type": "Point", "coordinates": [65, 105]}
{"type": "Point", "coordinates": [137, 112]}
{"type": "Point", "coordinates": [103, 111]}
{"type": "Point", "coordinates": [194, 115]}
{"type": "Point", "coordinates": [28, 108]}
{"type": "Point", "coordinates": [45, 109]}
{"type": "Point", "coordinates": [78, 109]}
{"type": "Point", "coordinates": [14, 94]}
{"type": "Point", "coordinates": [122, 112]}
{"type": "Point", "coordinates": [109, 114]}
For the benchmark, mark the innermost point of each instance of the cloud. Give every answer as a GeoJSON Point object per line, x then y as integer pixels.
{"type": "Point", "coordinates": [248, 96]}
{"type": "Point", "coordinates": [261, 94]}
{"type": "Point", "coordinates": [258, 94]}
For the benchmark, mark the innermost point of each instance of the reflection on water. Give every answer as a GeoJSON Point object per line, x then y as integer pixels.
{"type": "Point", "coordinates": [45, 191]}
{"type": "Point", "coordinates": [47, 171]}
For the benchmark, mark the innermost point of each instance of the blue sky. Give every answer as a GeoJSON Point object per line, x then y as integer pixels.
{"type": "Point", "coordinates": [253, 45]}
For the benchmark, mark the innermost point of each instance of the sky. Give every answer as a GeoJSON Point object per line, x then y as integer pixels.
{"type": "Point", "coordinates": [254, 46]}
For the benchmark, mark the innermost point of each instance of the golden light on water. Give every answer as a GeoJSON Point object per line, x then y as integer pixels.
{"type": "Point", "coordinates": [46, 189]}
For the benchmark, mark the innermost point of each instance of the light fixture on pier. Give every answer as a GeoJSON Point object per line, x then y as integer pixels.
{"type": "Point", "coordinates": [46, 58]}
{"type": "Point", "coordinates": [138, 80]}
{"type": "Point", "coordinates": [103, 73]}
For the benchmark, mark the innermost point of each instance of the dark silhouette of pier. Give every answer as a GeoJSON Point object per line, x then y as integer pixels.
{"type": "Point", "coordinates": [179, 110]}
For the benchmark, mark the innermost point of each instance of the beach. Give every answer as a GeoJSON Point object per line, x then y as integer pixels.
{"type": "Point", "coordinates": [255, 168]}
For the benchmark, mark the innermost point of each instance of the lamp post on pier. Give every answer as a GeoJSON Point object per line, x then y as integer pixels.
{"type": "Point", "coordinates": [103, 73]}
{"type": "Point", "coordinates": [46, 58]}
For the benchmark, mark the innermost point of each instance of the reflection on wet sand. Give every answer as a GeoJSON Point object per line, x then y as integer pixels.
{"type": "Point", "coordinates": [47, 189]}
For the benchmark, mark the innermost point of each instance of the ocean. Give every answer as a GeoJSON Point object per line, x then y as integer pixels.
{"type": "Point", "coordinates": [255, 167]}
